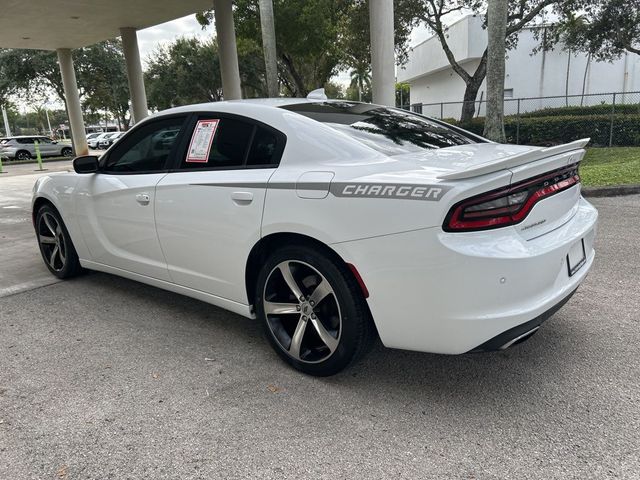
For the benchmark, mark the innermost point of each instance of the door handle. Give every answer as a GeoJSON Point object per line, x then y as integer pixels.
{"type": "Point", "coordinates": [143, 198]}
{"type": "Point", "coordinates": [242, 198]}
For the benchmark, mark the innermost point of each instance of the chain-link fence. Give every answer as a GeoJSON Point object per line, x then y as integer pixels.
{"type": "Point", "coordinates": [609, 119]}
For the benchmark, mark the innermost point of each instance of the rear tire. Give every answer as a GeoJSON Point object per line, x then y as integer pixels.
{"type": "Point", "coordinates": [312, 310]}
{"type": "Point", "coordinates": [67, 152]}
{"type": "Point", "coordinates": [55, 244]}
{"type": "Point", "coordinates": [23, 155]}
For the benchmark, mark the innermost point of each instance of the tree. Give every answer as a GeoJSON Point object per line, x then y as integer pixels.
{"type": "Point", "coordinates": [605, 29]}
{"type": "Point", "coordinates": [361, 78]}
{"type": "Point", "coordinates": [30, 72]}
{"type": "Point", "coordinates": [100, 73]}
{"type": "Point", "coordinates": [267, 27]}
{"type": "Point", "coordinates": [496, 49]}
{"type": "Point", "coordinates": [186, 71]}
{"type": "Point", "coordinates": [403, 94]}
{"type": "Point", "coordinates": [520, 14]}
{"type": "Point", "coordinates": [333, 90]}
{"type": "Point", "coordinates": [317, 38]}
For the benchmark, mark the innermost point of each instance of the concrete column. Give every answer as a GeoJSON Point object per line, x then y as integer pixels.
{"type": "Point", "coordinates": [382, 52]}
{"type": "Point", "coordinates": [268, 29]}
{"type": "Point", "coordinates": [139, 107]}
{"type": "Point", "coordinates": [227, 50]}
{"type": "Point", "coordinates": [72, 98]}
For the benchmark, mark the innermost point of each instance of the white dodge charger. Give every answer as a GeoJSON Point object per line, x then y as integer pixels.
{"type": "Point", "coordinates": [332, 222]}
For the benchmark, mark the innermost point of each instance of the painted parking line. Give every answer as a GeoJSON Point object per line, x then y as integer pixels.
{"type": "Point", "coordinates": [26, 286]}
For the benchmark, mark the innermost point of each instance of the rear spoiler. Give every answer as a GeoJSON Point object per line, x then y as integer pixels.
{"type": "Point", "coordinates": [515, 160]}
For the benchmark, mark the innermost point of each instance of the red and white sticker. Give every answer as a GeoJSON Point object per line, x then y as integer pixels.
{"type": "Point", "coordinates": [201, 141]}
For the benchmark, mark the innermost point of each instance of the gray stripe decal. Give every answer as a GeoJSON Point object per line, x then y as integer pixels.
{"type": "Point", "coordinates": [398, 191]}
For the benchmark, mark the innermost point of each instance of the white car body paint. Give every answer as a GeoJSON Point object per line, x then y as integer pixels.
{"type": "Point", "coordinates": [430, 290]}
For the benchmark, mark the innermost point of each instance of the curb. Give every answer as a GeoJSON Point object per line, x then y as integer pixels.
{"type": "Point", "coordinates": [34, 161]}
{"type": "Point", "coordinates": [612, 191]}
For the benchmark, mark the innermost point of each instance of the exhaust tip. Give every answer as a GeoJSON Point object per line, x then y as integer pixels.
{"type": "Point", "coordinates": [520, 338]}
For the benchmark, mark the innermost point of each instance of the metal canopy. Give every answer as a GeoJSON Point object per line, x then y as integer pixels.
{"type": "Point", "coordinates": [52, 24]}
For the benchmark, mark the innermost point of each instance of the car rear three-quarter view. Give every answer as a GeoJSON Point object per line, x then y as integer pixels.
{"type": "Point", "coordinates": [331, 222]}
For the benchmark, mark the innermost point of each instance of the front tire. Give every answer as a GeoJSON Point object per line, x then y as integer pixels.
{"type": "Point", "coordinates": [312, 310]}
{"type": "Point", "coordinates": [55, 244]}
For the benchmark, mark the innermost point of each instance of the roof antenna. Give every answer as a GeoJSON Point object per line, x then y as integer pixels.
{"type": "Point", "coordinates": [317, 94]}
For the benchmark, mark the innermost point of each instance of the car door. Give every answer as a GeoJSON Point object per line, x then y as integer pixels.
{"type": "Point", "coordinates": [47, 147]}
{"type": "Point", "coordinates": [209, 208]}
{"type": "Point", "coordinates": [116, 205]}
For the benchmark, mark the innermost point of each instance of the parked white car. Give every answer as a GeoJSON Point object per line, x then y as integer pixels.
{"type": "Point", "coordinates": [109, 140]}
{"type": "Point", "coordinates": [94, 142]}
{"type": "Point", "coordinates": [331, 222]}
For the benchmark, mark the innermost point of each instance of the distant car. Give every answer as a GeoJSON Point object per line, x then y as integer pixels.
{"type": "Point", "coordinates": [23, 147]}
{"type": "Point", "coordinates": [94, 142]}
{"type": "Point", "coordinates": [91, 136]}
{"type": "Point", "coordinates": [331, 222]}
{"type": "Point", "coordinates": [109, 140]}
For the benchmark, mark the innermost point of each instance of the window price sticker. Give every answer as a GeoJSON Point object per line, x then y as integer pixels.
{"type": "Point", "coordinates": [201, 141]}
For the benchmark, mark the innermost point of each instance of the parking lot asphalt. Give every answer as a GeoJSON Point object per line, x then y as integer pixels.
{"type": "Point", "coordinates": [104, 378]}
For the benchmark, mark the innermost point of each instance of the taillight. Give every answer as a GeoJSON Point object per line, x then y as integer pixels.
{"type": "Point", "coordinates": [508, 205]}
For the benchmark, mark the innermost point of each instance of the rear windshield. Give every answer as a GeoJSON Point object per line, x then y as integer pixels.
{"type": "Point", "coordinates": [388, 130]}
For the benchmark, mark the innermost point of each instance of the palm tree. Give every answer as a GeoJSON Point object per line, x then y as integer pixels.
{"type": "Point", "coordinates": [361, 77]}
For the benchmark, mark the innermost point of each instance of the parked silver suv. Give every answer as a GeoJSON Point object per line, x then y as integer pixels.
{"type": "Point", "coordinates": [23, 147]}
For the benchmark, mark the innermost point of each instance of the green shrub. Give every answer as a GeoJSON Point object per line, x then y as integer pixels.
{"type": "Point", "coordinates": [553, 130]}
{"type": "Point", "coordinates": [603, 109]}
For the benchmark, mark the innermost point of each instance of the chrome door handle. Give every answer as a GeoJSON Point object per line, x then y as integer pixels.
{"type": "Point", "coordinates": [143, 198]}
{"type": "Point", "coordinates": [242, 198]}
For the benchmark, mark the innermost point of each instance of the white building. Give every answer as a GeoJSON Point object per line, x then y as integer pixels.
{"type": "Point", "coordinates": [528, 75]}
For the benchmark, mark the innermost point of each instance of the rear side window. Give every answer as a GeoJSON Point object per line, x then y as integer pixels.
{"type": "Point", "coordinates": [388, 130]}
{"type": "Point", "coordinates": [236, 143]}
{"type": "Point", "coordinates": [263, 148]}
{"type": "Point", "coordinates": [230, 143]}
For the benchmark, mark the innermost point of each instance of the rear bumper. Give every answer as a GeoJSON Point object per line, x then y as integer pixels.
{"type": "Point", "coordinates": [521, 332]}
{"type": "Point", "coordinates": [455, 292]}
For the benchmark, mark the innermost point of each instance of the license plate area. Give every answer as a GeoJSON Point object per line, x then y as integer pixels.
{"type": "Point", "coordinates": [576, 258]}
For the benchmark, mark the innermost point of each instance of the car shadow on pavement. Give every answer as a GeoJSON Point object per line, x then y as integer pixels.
{"type": "Point", "coordinates": [512, 375]}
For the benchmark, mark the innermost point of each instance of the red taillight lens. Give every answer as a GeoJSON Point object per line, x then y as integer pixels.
{"type": "Point", "coordinates": [509, 205]}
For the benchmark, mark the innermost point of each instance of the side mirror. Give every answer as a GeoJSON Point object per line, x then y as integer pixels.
{"type": "Point", "coordinates": [86, 164]}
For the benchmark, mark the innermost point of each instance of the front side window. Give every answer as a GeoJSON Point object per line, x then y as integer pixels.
{"type": "Point", "coordinates": [146, 149]}
{"type": "Point", "coordinates": [388, 130]}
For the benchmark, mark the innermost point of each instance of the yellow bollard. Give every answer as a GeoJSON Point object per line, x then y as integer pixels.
{"type": "Point", "coordinates": [38, 156]}
{"type": "Point", "coordinates": [1, 171]}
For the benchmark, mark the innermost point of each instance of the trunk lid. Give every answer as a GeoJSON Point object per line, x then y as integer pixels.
{"type": "Point", "coordinates": [524, 163]}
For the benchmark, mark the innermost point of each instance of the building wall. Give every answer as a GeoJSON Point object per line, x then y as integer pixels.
{"type": "Point", "coordinates": [527, 75]}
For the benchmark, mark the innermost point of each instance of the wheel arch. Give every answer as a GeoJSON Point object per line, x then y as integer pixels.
{"type": "Point", "coordinates": [269, 243]}
{"type": "Point", "coordinates": [38, 204]}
